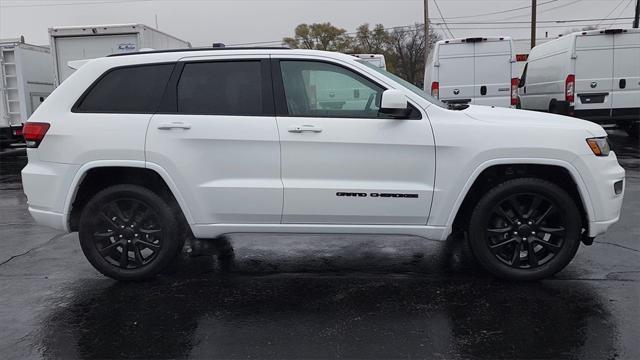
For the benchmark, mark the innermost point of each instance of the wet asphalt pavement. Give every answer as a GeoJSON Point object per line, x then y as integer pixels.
{"type": "Point", "coordinates": [275, 296]}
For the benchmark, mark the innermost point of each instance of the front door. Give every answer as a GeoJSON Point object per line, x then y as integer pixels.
{"type": "Point", "coordinates": [343, 162]}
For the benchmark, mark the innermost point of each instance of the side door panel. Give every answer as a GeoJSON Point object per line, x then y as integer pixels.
{"type": "Point", "coordinates": [456, 72]}
{"type": "Point", "coordinates": [355, 170]}
{"type": "Point", "coordinates": [594, 67]}
{"type": "Point", "coordinates": [227, 165]}
{"type": "Point", "coordinates": [492, 78]}
{"type": "Point", "coordinates": [626, 71]}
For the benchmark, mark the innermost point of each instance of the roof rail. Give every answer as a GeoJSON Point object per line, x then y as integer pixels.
{"type": "Point", "coordinates": [198, 49]}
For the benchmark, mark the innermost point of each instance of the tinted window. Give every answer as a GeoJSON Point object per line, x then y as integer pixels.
{"type": "Point", "coordinates": [221, 88]}
{"type": "Point", "coordinates": [136, 89]}
{"type": "Point", "coordinates": [325, 90]}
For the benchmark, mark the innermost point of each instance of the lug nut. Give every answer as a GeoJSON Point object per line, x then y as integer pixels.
{"type": "Point", "coordinates": [136, 235]}
{"type": "Point", "coordinates": [120, 236]}
{"type": "Point", "coordinates": [129, 241]}
{"type": "Point", "coordinates": [533, 233]}
{"type": "Point", "coordinates": [121, 226]}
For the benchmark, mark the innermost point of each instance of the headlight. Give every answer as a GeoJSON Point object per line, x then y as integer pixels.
{"type": "Point", "coordinates": [599, 146]}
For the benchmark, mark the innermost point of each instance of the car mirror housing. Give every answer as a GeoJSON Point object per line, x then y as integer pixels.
{"type": "Point", "coordinates": [394, 103]}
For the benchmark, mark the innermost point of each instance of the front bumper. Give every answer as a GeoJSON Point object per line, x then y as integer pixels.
{"type": "Point", "coordinates": [599, 175]}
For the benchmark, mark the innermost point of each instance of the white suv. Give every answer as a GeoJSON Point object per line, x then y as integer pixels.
{"type": "Point", "coordinates": [137, 152]}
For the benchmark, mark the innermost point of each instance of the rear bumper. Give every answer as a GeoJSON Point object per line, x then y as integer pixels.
{"type": "Point", "coordinates": [46, 185]}
{"type": "Point", "coordinates": [609, 116]}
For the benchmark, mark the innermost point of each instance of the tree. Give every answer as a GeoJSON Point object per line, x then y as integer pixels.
{"type": "Point", "coordinates": [402, 47]}
{"type": "Point", "coordinates": [407, 51]}
{"type": "Point", "coordinates": [323, 36]}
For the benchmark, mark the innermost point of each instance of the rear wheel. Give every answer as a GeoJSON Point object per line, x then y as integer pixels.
{"type": "Point", "coordinates": [633, 129]}
{"type": "Point", "coordinates": [128, 232]}
{"type": "Point", "coordinates": [525, 229]}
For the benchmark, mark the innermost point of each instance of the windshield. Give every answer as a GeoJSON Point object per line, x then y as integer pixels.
{"type": "Point", "coordinates": [416, 90]}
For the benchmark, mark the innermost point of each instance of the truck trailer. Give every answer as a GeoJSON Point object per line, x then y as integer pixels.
{"type": "Point", "coordinates": [70, 43]}
{"type": "Point", "coordinates": [26, 74]}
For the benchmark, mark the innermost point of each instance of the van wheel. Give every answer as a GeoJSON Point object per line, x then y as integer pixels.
{"type": "Point", "coordinates": [128, 232]}
{"type": "Point", "coordinates": [525, 229]}
{"type": "Point", "coordinates": [633, 129]}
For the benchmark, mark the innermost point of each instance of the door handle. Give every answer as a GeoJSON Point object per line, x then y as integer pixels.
{"type": "Point", "coordinates": [174, 125]}
{"type": "Point", "coordinates": [304, 128]}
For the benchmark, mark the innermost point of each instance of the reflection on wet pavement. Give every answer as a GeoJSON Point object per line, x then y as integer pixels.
{"type": "Point", "coordinates": [314, 296]}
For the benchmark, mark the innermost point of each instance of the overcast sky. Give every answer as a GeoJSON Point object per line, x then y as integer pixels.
{"type": "Point", "coordinates": [203, 22]}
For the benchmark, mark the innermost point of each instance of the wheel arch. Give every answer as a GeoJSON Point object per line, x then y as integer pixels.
{"type": "Point", "coordinates": [495, 171]}
{"type": "Point", "coordinates": [93, 176]}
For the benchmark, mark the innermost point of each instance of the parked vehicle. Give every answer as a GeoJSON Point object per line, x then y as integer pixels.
{"type": "Point", "coordinates": [592, 75]}
{"type": "Point", "coordinates": [71, 43]}
{"type": "Point", "coordinates": [26, 80]}
{"type": "Point", "coordinates": [138, 151]}
{"type": "Point", "coordinates": [476, 70]}
{"type": "Point", "coordinates": [373, 59]}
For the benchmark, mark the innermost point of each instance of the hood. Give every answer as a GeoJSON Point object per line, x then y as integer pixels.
{"type": "Point", "coordinates": [526, 118]}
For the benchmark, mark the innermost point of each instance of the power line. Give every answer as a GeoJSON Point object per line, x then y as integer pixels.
{"type": "Point", "coordinates": [442, 17]}
{"type": "Point", "coordinates": [558, 24]}
{"type": "Point", "coordinates": [611, 12]}
{"type": "Point", "coordinates": [545, 10]}
{"type": "Point", "coordinates": [500, 12]}
{"type": "Point", "coordinates": [621, 12]}
{"type": "Point", "coordinates": [72, 3]}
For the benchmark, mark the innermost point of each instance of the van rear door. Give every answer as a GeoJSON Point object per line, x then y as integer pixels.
{"type": "Point", "coordinates": [593, 73]}
{"type": "Point", "coordinates": [493, 73]}
{"type": "Point", "coordinates": [456, 72]}
{"type": "Point", "coordinates": [626, 74]}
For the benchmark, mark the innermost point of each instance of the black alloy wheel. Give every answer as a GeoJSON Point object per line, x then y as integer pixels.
{"type": "Point", "coordinates": [525, 229]}
{"type": "Point", "coordinates": [128, 232]}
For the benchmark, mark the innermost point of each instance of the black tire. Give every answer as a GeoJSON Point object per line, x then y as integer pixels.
{"type": "Point", "coordinates": [549, 228]}
{"type": "Point", "coordinates": [134, 218]}
{"type": "Point", "coordinates": [633, 129]}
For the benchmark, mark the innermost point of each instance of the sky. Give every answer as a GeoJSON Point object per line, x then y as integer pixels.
{"type": "Point", "coordinates": [266, 22]}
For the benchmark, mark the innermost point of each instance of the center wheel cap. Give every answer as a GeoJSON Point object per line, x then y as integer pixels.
{"type": "Point", "coordinates": [524, 230]}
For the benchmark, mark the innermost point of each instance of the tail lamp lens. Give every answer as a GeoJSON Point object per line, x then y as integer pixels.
{"type": "Point", "coordinates": [514, 91]}
{"type": "Point", "coordinates": [435, 89]}
{"type": "Point", "coordinates": [34, 132]}
{"type": "Point", "coordinates": [599, 146]}
{"type": "Point", "coordinates": [569, 88]}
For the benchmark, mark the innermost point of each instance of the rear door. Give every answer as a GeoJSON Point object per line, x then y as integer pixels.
{"type": "Point", "coordinates": [626, 74]}
{"type": "Point", "coordinates": [492, 73]}
{"type": "Point", "coordinates": [593, 73]}
{"type": "Point", "coordinates": [216, 136]}
{"type": "Point", "coordinates": [456, 72]}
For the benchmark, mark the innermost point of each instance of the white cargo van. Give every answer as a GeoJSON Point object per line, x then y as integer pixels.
{"type": "Point", "coordinates": [70, 43]}
{"type": "Point", "coordinates": [26, 76]}
{"type": "Point", "coordinates": [476, 70]}
{"type": "Point", "coordinates": [593, 75]}
{"type": "Point", "coordinates": [373, 59]}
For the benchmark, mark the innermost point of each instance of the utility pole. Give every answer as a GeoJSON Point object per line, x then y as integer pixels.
{"type": "Point", "coordinates": [426, 31]}
{"type": "Point", "coordinates": [534, 5]}
{"type": "Point", "coordinates": [636, 21]}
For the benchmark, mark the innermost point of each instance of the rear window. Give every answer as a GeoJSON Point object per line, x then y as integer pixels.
{"type": "Point", "coordinates": [221, 88]}
{"type": "Point", "coordinates": [134, 89]}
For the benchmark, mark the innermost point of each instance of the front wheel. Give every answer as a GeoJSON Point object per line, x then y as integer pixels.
{"type": "Point", "coordinates": [525, 229]}
{"type": "Point", "coordinates": [127, 232]}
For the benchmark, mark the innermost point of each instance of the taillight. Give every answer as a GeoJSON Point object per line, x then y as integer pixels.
{"type": "Point", "coordinates": [34, 132]}
{"type": "Point", "coordinates": [435, 89]}
{"type": "Point", "coordinates": [569, 88]}
{"type": "Point", "coordinates": [514, 91]}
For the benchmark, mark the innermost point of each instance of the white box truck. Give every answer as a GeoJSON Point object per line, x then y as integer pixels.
{"type": "Point", "coordinates": [26, 76]}
{"type": "Point", "coordinates": [70, 43]}
{"type": "Point", "coordinates": [478, 70]}
{"type": "Point", "coordinates": [594, 75]}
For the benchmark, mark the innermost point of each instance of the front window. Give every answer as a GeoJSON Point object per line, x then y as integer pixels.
{"type": "Point", "coordinates": [320, 89]}
{"type": "Point", "coordinates": [414, 89]}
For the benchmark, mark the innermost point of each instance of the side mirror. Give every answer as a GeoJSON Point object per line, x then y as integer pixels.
{"type": "Point", "coordinates": [394, 103]}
